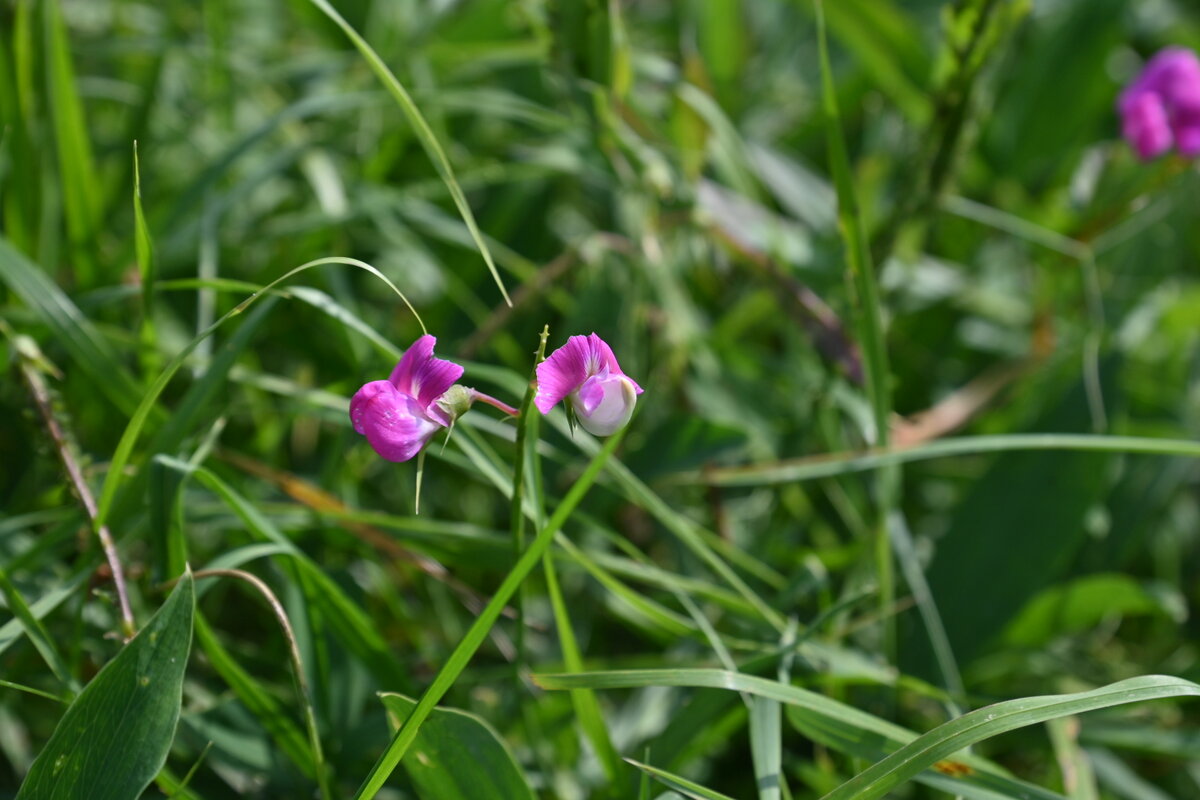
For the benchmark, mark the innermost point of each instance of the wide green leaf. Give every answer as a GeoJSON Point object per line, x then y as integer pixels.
{"type": "Point", "coordinates": [458, 755]}
{"type": "Point", "coordinates": [115, 737]}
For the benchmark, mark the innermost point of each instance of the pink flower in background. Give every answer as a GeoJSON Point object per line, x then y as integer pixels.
{"type": "Point", "coordinates": [1162, 106]}
{"type": "Point", "coordinates": [400, 415]}
{"type": "Point", "coordinates": [585, 371]}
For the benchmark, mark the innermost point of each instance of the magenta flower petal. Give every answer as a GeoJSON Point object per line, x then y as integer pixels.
{"type": "Point", "coordinates": [1146, 126]}
{"type": "Point", "coordinates": [1187, 136]}
{"type": "Point", "coordinates": [568, 367]}
{"type": "Point", "coordinates": [1162, 105]}
{"type": "Point", "coordinates": [395, 425]}
{"type": "Point", "coordinates": [423, 377]}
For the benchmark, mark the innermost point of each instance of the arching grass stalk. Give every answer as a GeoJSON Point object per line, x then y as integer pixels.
{"type": "Point", "coordinates": [479, 630]}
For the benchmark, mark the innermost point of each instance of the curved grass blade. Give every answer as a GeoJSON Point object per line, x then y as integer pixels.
{"type": "Point", "coordinates": [125, 446]}
{"type": "Point", "coordinates": [984, 723]}
{"type": "Point", "coordinates": [114, 738]}
{"type": "Point", "coordinates": [424, 134]}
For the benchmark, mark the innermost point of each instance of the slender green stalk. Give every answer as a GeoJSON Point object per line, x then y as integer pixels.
{"type": "Point", "coordinates": [479, 629]}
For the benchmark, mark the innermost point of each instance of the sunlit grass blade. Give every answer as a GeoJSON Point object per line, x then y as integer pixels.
{"type": "Point", "coordinates": [20, 687]}
{"type": "Point", "coordinates": [347, 620]}
{"type": "Point", "coordinates": [424, 134]}
{"type": "Point", "coordinates": [984, 723]}
{"type": "Point", "coordinates": [478, 631]}
{"type": "Point", "coordinates": [914, 576]}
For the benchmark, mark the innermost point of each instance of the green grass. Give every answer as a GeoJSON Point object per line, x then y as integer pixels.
{"type": "Point", "coordinates": [896, 292]}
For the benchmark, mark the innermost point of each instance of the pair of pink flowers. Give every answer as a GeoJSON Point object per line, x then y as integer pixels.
{"type": "Point", "coordinates": [400, 415]}
{"type": "Point", "coordinates": [1161, 107]}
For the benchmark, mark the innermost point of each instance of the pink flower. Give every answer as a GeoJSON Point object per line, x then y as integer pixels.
{"type": "Point", "coordinates": [400, 415]}
{"type": "Point", "coordinates": [586, 371]}
{"type": "Point", "coordinates": [1162, 106]}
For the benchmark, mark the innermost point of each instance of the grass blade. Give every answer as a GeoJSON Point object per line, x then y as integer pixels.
{"type": "Point", "coordinates": [424, 134]}
{"type": "Point", "coordinates": [81, 189]}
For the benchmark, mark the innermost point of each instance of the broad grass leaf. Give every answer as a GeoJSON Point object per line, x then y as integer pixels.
{"type": "Point", "coordinates": [114, 738]}
{"type": "Point", "coordinates": [457, 755]}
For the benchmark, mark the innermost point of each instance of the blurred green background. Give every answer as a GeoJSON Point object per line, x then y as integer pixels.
{"type": "Point", "coordinates": [656, 172]}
